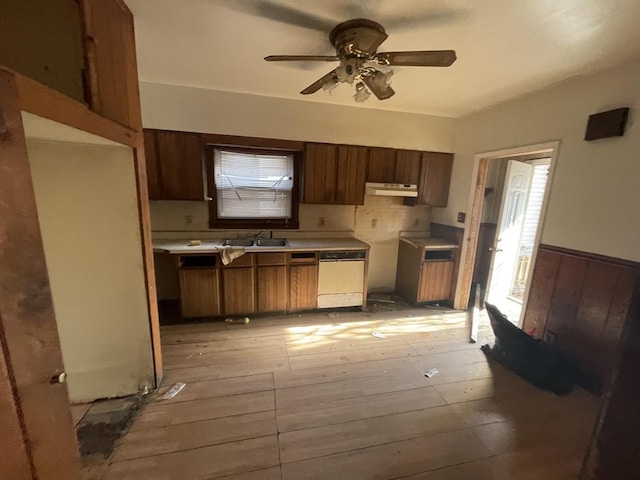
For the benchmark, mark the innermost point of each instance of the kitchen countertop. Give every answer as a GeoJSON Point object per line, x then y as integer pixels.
{"type": "Point", "coordinates": [430, 243]}
{"type": "Point", "coordinates": [181, 247]}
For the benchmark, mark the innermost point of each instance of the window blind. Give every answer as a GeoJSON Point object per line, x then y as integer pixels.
{"type": "Point", "coordinates": [252, 185]}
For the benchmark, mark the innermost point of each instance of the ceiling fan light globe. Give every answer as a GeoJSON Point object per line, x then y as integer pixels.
{"type": "Point", "coordinates": [361, 94]}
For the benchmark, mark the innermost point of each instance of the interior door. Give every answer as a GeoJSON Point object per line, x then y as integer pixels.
{"type": "Point", "coordinates": [512, 212]}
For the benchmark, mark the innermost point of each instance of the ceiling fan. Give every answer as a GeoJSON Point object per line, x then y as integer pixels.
{"type": "Point", "coordinates": [356, 43]}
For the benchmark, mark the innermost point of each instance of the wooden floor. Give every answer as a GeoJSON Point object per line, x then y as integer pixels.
{"type": "Point", "coordinates": [309, 396]}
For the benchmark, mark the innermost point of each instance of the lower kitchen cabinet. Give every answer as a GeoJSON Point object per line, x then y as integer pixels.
{"type": "Point", "coordinates": [303, 287]}
{"type": "Point", "coordinates": [238, 290]}
{"type": "Point", "coordinates": [199, 292]}
{"type": "Point", "coordinates": [435, 280]}
{"type": "Point", "coordinates": [272, 288]}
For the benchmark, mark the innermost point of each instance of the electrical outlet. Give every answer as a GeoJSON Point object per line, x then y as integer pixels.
{"type": "Point", "coordinates": [321, 221]}
{"type": "Point", "coordinates": [188, 219]}
{"type": "Point", "coordinates": [461, 217]}
{"type": "Point", "coordinates": [374, 222]}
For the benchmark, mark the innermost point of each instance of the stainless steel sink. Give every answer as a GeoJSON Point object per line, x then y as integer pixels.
{"type": "Point", "coordinates": [271, 242]}
{"type": "Point", "coordinates": [237, 242]}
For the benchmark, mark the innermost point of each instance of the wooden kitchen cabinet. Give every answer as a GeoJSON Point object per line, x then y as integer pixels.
{"type": "Point", "coordinates": [435, 280]}
{"type": "Point", "coordinates": [334, 174]}
{"type": "Point", "coordinates": [200, 292]}
{"type": "Point", "coordinates": [424, 274]}
{"type": "Point", "coordinates": [407, 169]}
{"type": "Point", "coordinates": [271, 281]}
{"type": "Point", "coordinates": [303, 287]}
{"type": "Point", "coordinates": [174, 165]}
{"type": "Point", "coordinates": [382, 165]}
{"type": "Point", "coordinates": [238, 287]}
{"type": "Point", "coordinates": [435, 178]}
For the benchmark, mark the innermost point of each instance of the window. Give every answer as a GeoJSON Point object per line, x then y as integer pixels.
{"type": "Point", "coordinates": [253, 188]}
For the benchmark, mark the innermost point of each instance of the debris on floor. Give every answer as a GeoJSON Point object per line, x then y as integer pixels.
{"type": "Point", "coordinates": [377, 334]}
{"type": "Point", "coordinates": [381, 297]}
{"type": "Point", "coordinates": [333, 315]}
{"type": "Point", "coordinates": [107, 421]}
{"type": "Point", "coordinates": [244, 320]}
{"type": "Point", "coordinates": [431, 372]}
{"type": "Point", "coordinates": [173, 391]}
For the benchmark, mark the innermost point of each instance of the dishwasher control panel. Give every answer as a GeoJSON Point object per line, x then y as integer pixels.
{"type": "Point", "coordinates": [343, 255]}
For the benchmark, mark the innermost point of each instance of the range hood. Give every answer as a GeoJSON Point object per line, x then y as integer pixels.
{"type": "Point", "coordinates": [392, 189]}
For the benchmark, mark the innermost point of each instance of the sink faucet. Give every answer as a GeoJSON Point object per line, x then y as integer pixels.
{"type": "Point", "coordinates": [257, 235]}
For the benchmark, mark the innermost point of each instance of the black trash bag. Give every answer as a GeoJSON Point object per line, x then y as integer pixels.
{"type": "Point", "coordinates": [534, 360]}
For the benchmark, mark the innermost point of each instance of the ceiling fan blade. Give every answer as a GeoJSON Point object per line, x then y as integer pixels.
{"type": "Point", "coordinates": [317, 85]}
{"type": "Point", "coordinates": [425, 58]}
{"type": "Point", "coordinates": [293, 16]}
{"type": "Point", "coordinates": [378, 85]}
{"type": "Point", "coordinates": [301, 58]}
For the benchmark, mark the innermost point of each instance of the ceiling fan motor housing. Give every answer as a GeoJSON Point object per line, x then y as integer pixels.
{"type": "Point", "coordinates": [359, 37]}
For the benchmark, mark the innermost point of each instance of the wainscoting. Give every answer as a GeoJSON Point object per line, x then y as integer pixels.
{"type": "Point", "coordinates": [580, 302]}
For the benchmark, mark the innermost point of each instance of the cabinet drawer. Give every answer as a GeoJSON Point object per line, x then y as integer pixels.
{"type": "Point", "coordinates": [245, 260]}
{"type": "Point", "coordinates": [303, 257]}
{"type": "Point", "coordinates": [271, 258]}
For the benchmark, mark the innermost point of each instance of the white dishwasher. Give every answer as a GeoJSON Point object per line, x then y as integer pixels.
{"type": "Point", "coordinates": [341, 278]}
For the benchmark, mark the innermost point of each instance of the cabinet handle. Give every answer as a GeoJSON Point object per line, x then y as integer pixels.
{"type": "Point", "coordinates": [59, 378]}
{"type": "Point", "coordinates": [491, 249]}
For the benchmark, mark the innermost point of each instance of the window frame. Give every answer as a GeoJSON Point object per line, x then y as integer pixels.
{"type": "Point", "coordinates": [253, 223]}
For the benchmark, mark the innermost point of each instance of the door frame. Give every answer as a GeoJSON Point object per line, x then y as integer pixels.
{"type": "Point", "coordinates": [475, 205]}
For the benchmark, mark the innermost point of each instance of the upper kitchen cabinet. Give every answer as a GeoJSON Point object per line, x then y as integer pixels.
{"type": "Point", "coordinates": [334, 174]}
{"type": "Point", "coordinates": [111, 61]}
{"type": "Point", "coordinates": [174, 165]}
{"type": "Point", "coordinates": [388, 165]}
{"type": "Point", "coordinates": [435, 177]}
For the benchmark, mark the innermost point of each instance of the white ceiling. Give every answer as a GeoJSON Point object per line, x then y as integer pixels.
{"type": "Point", "coordinates": [505, 48]}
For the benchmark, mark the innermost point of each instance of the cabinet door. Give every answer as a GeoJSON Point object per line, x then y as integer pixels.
{"type": "Point", "coordinates": [239, 290]}
{"type": "Point", "coordinates": [382, 165]}
{"type": "Point", "coordinates": [407, 166]}
{"type": "Point", "coordinates": [435, 177]}
{"type": "Point", "coordinates": [151, 160]}
{"type": "Point", "coordinates": [200, 293]}
{"type": "Point", "coordinates": [435, 281]}
{"type": "Point", "coordinates": [351, 175]}
{"type": "Point", "coordinates": [272, 288]}
{"type": "Point", "coordinates": [320, 173]}
{"type": "Point", "coordinates": [112, 63]}
{"type": "Point", "coordinates": [180, 163]}
{"type": "Point", "coordinates": [303, 287]}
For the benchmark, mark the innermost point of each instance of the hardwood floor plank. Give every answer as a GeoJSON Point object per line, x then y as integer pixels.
{"type": "Point", "coordinates": [338, 411]}
{"type": "Point", "coordinates": [161, 415]}
{"type": "Point", "coordinates": [546, 462]}
{"type": "Point", "coordinates": [186, 436]}
{"type": "Point", "coordinates": [484, 469]}
{"type": "Point", "coordinates": [197, 358]}
{"type": "Point", "coordinates": [207, 462]}
{"type": "Point", "coordinates": [391, 460]}
{"type": "Point", "coordinates": [224, 345]}
{"type": "Point", "coordinates": [337, 358]}
{"type": "Point", "coordinates": [311, 376]}
{"type": "Point", "coordinates": [229, 370]}
{"type": "Point", "coordinates": [320, 344]}
{"type": "Point", "coordinates": [330, 439]}
{"type": "Point", "coordinates": [216, 388]}
{"type": "Point", "coordinates": [271, 473]}
{"type": "Point", "coordinates": [453, 372]}
{"type": "Point", "coordinates": [333, 391]}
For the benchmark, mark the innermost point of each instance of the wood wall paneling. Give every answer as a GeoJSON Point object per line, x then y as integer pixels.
{"type": "Point", "coordinates": [580, 302]}
{"type": "Point", "coordinates": [28, 327]}
{"type": "Point", "coordinates": [110, 45]}
{"type": "Point", "coordinates": [351, 175]}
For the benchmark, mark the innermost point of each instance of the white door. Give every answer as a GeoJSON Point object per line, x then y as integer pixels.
{"type": "Point", "coordinates": [505, 250]}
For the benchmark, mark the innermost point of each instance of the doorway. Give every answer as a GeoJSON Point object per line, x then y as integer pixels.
{"type": "Point", "coordinates": [507, 209]}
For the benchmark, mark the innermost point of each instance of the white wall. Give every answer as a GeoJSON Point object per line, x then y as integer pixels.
{"type": "Point", "coordinates": [87, 207]}
{"type": "Point", "coordinates": [595, 193]}
{"type": "Point", "coordinates": [210, 111]}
